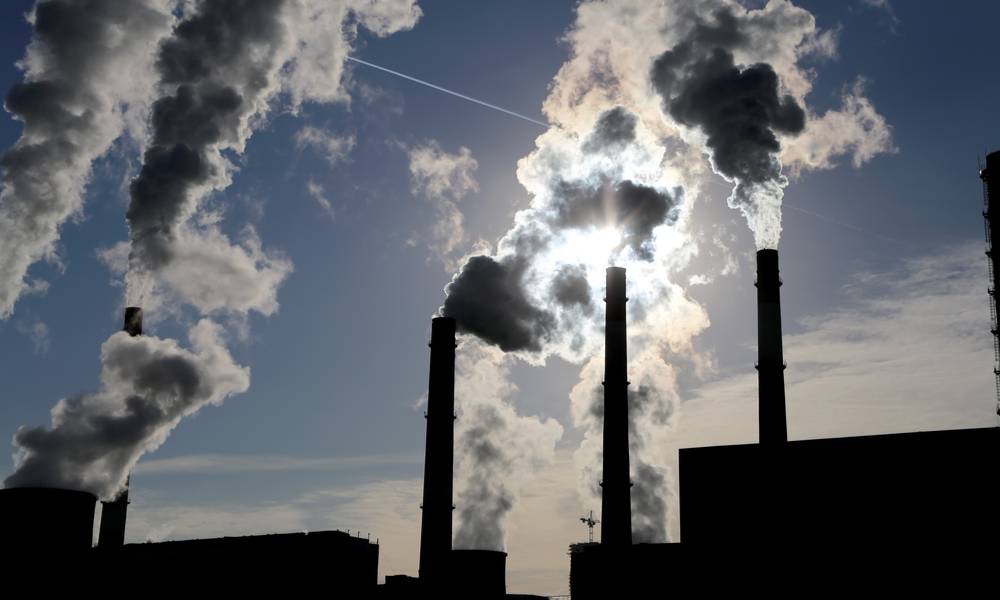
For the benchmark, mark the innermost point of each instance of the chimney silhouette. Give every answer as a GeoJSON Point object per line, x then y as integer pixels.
{"type": "Point", "coordinates": [435, 524]}
{"type": "Point", "coordinates": [770, 363]}
{"type": "Point", "coordinates": [114, 512]}
{"type": "Point", "coordinates": [991, 211]}
{"type": "Point", "coordinates": [616, 508]}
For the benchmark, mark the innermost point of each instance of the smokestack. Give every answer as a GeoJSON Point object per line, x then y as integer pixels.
{"type": "Point", "coordinates": [114, 512]}
{"type": "Point", "coordinates": [435, 525]}
{"type": "Point", "coordinates": [616, 509]}
{"type": "Point", "coordinates": [770, 363]}
{"type": "Point", "coordinates": [991, 211]}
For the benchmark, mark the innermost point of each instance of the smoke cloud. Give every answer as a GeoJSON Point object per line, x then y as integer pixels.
{"type": "Point", "coordinates": [656, 100]}
{"type": "Point", "coordinates": [216, 74]}
{"type": "Point", "coordinates": [86, 81]}
{"type": "Point", "coordinates": [148, 386]}
{"type": "Point", "coordinates": [220, 72]}
{"type": "Point", "coordinates": [444, 179]}
{"type": "Point", "coordinates": [740, 110]}
{"type": "Point", "coordinates": [498, 450]}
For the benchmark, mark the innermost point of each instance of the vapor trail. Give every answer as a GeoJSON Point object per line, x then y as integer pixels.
{"type": "Point", "coordinates": [447, 91]}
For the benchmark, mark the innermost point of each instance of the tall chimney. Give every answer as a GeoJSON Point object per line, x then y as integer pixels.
{"type": "Point", "coordinates": [770, 364]}
{"type": "Point", "coordinates": [113, 513]}
{"type": "Point", "coordinates": [616, 509]}
{"type": "Point", "coordinates": [435, 525]}
{"type": "Point", "coordinates": [991, 211]}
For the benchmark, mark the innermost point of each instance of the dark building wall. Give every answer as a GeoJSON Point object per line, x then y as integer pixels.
{"type": "Point", "coordinates": [47, 520]}
{"type": "Point", "coordinates": [331, 562]}
{"type": "Point", "coordinates": [600, 572]}
{"type": "Point", "coordinates": [927, 488]}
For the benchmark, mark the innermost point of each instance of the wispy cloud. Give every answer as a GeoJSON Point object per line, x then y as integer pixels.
{"type": "Point", "coordinates": [249, 463]}
{"type": "Point", "coordinates": [38, 333]}
{"type": "Point", "coordinates": [443, 179]}
{"type": "Point", "coordinates": [318, 193]}
{"type": "Point", "coordinates": [335, 148]}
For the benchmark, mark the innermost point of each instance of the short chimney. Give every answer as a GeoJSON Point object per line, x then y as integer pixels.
{"type": "Point", "coordinates": [770, 361]}
{"type": "Point", "coordinates": [435, 525]}
{"type": "Point", "coordinates": [114, 512]}
{"type": "Point", "coordinates": [616, 509]}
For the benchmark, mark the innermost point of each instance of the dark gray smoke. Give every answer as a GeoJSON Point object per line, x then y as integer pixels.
{"type": "Point", "coordinates": [85, 79]}
{"type": "Point", "coordinates": [570, 288]}
{"type": "Point", "coordinates": [614, 130]}
{"type": "Point", "coordinates": [484, 500]}
{"type": "Point", "coordinates": [220, 65]}
{"type": "Point", "coordinates": [148, 386]}
{"type": "Point", "coordinates": [740, 109]}
{"type": "Point", "coordinates": [487, 299]}
{"type": "Point", "coordinates": [649, 505]}
{"type": "Point", "coordinates": [633, 208]}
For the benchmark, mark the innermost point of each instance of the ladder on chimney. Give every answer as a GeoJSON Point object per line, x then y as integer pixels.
{"type": "Point", "coordinates": [991, 290]}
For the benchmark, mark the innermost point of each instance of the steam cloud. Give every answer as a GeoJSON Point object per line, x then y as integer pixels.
{"type": "Point", "coordinates": [86, 81]}
{"type": "Point", "coordinates": [498, 450]}
{"type": "Point", "coordinates": [148, 386]}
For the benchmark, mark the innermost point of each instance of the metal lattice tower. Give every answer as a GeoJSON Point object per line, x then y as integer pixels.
{"type": "Point", "coordinates": [990, 175]}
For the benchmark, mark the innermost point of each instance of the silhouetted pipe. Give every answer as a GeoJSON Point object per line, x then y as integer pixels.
{"type": "Point", "coordinates": [616, 509]}
{"type": "Point", "coordinates": [115, 512]}
{"type": "Point", "coordinates": [435, 525]}
{"type": "Point", "coordinates": [991, 184]}
{"type": "Point", "coordinates": [770, 362]}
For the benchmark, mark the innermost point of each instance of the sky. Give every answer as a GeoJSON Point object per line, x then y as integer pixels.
{"type": "Point", "coordinates": [344, 199]}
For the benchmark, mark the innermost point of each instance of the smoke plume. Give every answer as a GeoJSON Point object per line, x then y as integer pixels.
{"type": "Point", "coordinates": [148, 386]}
{"type": "Point", "coordinates": [650, 90]}
{"type": "Point", "coordinates": [498, 450]}
{"type": "Point", "coordinates": [216, 74]}
{"type": "Point", "coordinates": [86, 80]}
{"type": "Point", "coordinates": [740, 110]}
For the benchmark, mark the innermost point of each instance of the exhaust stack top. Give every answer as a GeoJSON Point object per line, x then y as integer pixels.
{"type": "Point", "coordinates": [115, 512]}
{"type": "Point", "coordinates": [435, 524]}
{"type": "Point", "coordinates": [616, 501]}
{"type": "Point", "coordinates": [770, 361]}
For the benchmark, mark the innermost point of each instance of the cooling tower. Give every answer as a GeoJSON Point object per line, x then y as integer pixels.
{"type": "Point", "coordinates": [435, 524]}
{"type": "Point", "coordinates": [46, 521]}
{"type": "Point", "coordinates": [478, 574]}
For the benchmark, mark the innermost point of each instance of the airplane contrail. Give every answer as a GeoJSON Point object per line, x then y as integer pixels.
{"type": "Point", "coordinates": [447, 91]}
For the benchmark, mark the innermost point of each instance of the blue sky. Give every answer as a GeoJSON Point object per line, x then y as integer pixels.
{"type": "Point", "coordinates": [884, 298]}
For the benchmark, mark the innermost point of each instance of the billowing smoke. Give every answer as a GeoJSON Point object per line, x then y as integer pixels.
{"type": "Point", "coordinates": [86, 80]}
{"type": "Point", "coordinates": [219, 73]}
{"type": "Point", "coordinates": [216, 75]}
{"type": "Point", "coordinates": [498, 450]}
{"type": "Point", "coordinates": [740, 109]}
{"type": "Point", "coordinates": [147, 386]}
{"type": "Point", "coordinates": [650, 90]}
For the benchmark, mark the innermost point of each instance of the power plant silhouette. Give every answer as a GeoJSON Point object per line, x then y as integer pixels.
{"type": "Point", "coordinates": [766, 502]}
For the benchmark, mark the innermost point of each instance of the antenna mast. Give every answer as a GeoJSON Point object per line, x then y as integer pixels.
{"type": "Point", "coordinates": [590, 521]}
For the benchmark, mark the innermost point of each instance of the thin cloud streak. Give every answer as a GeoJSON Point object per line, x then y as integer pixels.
{"type": "Point", "coordinates": [252, 463]}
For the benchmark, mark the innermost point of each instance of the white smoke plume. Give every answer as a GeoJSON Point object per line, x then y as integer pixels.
{"type": "Point", "coordinates": [498, 450]}
{"type": "Point", "coordinates": [148, 385]}
{"type": "Point", "coordinates": [637, 110]}
{"type": "Point", "coordinates": [87, 79]}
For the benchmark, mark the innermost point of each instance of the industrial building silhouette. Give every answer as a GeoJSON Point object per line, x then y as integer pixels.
{"type": "Point", "coordinates": [781, 500]}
